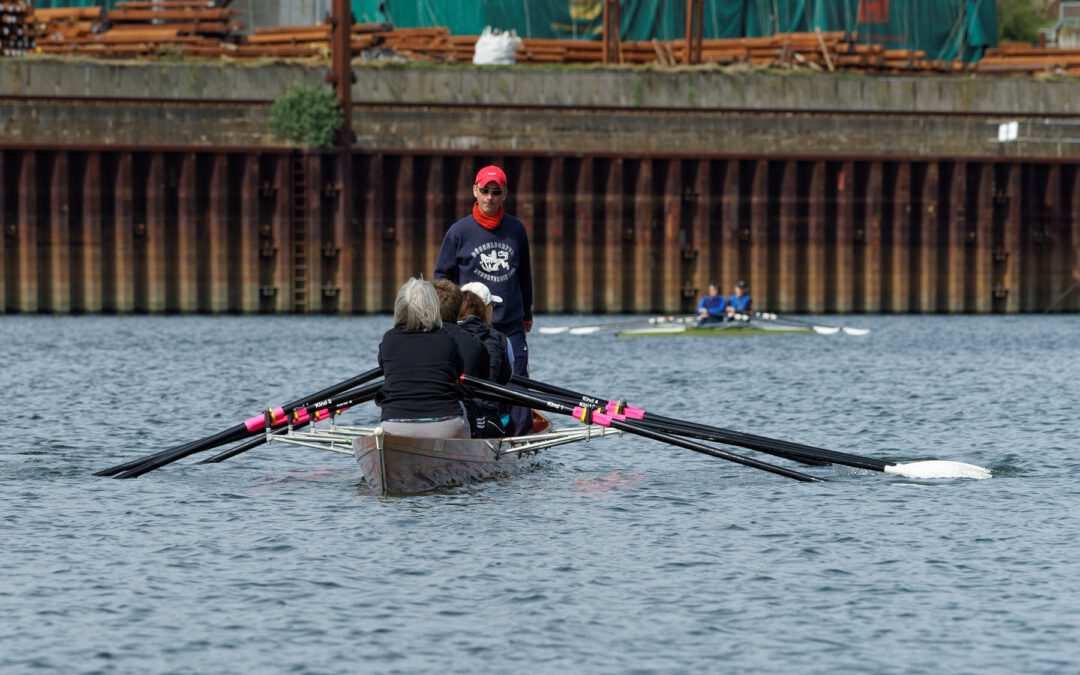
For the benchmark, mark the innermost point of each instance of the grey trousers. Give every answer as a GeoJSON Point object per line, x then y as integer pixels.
{"type": "Point", "coordinates": [453, 428]}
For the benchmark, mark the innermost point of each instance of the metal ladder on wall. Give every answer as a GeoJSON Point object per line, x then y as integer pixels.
{"type": "Point", "coordinates": [299, 236]}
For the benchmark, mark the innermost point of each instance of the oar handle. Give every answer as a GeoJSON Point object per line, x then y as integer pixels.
{"type": "Point", "coordinates": [303, 417]}
{"type": "Point", "coordinates": [610, 407]}
{"type": "Point", "coordinates": [304, 406]}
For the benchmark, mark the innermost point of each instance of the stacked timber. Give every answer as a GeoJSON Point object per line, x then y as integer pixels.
{"type": "Point", "coordinates": [1017, 58]}
{"type": "Point", "coordinates": [17, 35]}
{"type": "Point", "coordinates": [816, 51]}
{"type": "Point", "coordinates": [153, 27]}
{"type": "Point", "coordinates": [201, 28]}
{"type": "Point", "coordinates": [309, 41]}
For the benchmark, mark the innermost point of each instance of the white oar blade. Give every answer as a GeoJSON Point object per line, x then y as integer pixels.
{"type": "Point", "coordinates": [826, 330]}
{"type": "Point", "coordinates": [584, 330]}
{"type": "Point", "coordinates": [856, 331]}
{"type": "Point", "coordinates": [938, 469]}
{"type": "Point", "coordinates": [553, 330]}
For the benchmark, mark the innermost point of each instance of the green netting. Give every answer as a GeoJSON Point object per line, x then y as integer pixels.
{"type": "Point", "coordinates": [944, 29]}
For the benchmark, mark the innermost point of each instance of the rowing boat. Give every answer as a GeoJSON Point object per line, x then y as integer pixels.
{"type": "Point", "coordinates": [714, 329]}
{"type": "Point", "coordinates": [403, 465]}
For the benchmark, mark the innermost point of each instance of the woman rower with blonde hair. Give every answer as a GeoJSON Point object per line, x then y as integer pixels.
{"type": "Point", "coordinates": [421, 365]}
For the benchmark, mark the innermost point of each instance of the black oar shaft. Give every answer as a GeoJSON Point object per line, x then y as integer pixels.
{"type": "Point", "coordinates": [788, 449]}
{"type": "Point", "coordinates": [630, 427]}
{"type": "Point", "coordinates": [230, 435]}
{"type": "Point", "coordinates": [778, 450]}
{"type": "Point", "coordinates": [687, 429]}
{"type": "Point", "coordinates": [554, 390]}
{"type": "Point", "coordinates": [236, 433]}
{"type": "Point", "coordinates": [242, 448]}
{"type": "Point", "coordinates": [765, 444]}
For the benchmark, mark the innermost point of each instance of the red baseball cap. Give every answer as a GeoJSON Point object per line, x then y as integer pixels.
{"type": "Point", "coordinates": [491, 174]}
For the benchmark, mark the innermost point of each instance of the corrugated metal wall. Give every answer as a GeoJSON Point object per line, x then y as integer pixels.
{"type": "Point", "coordinates": [88, 231]}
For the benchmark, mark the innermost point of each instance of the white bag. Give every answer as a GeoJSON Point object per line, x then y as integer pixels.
{"type": "Point", "coordinates": [496, 48]}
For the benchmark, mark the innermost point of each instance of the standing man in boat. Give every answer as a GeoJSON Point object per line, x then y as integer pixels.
{"type": "Point", "coordinates": [711, 307]}
{"type": "Point", "coordinates": [740, 300]}
{"type": "Point", "coordinates": [492, 247]}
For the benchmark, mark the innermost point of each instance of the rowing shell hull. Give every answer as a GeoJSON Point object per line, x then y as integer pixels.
{"type": "Point", "coordinates": [724, 329]}
{"type": "Point", "coordinates": [407, 465]}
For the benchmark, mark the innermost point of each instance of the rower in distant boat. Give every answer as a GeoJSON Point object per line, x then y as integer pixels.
{"type": "Point", "coordinates": [421, 365]}
{"type": "Point", "coordinates": [711, 308]}
{"type": "Point", "coordinates": [740, 300]}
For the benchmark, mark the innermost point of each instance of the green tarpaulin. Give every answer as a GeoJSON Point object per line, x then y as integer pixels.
{"type": "Point", "coordinates": [944, 29]}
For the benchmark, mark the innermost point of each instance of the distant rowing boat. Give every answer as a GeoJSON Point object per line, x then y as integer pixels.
{"type": "Point", "coordinates": [716, 329]}
{"type": "Point", "coordinates": [403, 465]}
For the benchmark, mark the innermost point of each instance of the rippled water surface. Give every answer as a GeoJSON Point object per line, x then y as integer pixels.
{"type": "Point", "coordinates": [615, 556]}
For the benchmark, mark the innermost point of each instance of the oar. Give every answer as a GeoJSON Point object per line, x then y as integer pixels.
{"type": "Point", "coordinates": [590, 416]}
{"type": "Point", "coordinates": [596, 328]}
{"type": "Point", "coordinates": [253, 425]}
{"type": "Point", "coordinates": [817, 328]}
{"type": "Point", "coordinates": [303, 417]}
{"type": "Point", "coordinates": [787, 449]}
{"type": "Point", "coordinates": [679, 429]}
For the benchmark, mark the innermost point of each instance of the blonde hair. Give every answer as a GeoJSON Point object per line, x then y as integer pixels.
{"type": "Point", "coordinates": [417, 306]}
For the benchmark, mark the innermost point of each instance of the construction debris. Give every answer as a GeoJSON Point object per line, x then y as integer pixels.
{"type": "Point", "coordinates": [202, 29]}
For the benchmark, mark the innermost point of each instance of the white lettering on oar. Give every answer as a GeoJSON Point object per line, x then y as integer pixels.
{"type": "Point", "coordinates": [938, 469]}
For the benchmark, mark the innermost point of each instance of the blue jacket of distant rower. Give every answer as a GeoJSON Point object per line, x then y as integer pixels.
{"type": "Point", "coordinates": [714, 306]}
{"type": "Point", "coordinates": [498, 258]}
{"type": "Point", "coordinates": [740, 304]}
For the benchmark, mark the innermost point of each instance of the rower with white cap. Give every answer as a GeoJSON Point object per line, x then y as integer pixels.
{"type": "Point", "coordinates": [477, 306]}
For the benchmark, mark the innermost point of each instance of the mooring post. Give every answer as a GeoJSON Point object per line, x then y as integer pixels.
{"type": "Point", "coordinates": [344, 225]}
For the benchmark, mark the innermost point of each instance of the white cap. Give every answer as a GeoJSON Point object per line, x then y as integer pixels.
{"type": "Point", "coordinates": [482, 291]}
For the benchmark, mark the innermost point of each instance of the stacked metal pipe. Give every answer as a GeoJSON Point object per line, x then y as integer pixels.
{"type": "Point", "coordinates": [16, 28]}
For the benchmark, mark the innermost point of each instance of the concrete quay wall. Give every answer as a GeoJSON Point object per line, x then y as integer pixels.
{"type": "Point", "coordinates": [702, 111]}
{"type": "Point", "coordinates": [157, 187]}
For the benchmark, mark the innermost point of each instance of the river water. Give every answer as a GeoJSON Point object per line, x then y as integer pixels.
{"type": "Point", "coordinates": [622, 555]}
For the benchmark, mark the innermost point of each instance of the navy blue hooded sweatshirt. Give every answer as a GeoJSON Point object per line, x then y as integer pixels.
{"type": "Point", "coordinates": [497, 258]}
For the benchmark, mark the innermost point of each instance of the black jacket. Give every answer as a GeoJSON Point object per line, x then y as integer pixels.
{"type": "Point", "coordinates": [474, 355]}
{"type": "Point", "coordinates": [495, 344]}
{"type": "Point", "coordinates": [420, 375]}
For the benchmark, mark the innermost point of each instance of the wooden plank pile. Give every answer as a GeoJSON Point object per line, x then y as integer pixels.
{"type": "Point", "coordinates": [1018, 58]}
{"type": "Point", "coordinates": [136, 28]}
{"type": "Point", "coordinates": [817, 51]}
{"type": "Point", "coordinates": [200, 28]}
{"type": "Point", "coordinates": [16, 28]}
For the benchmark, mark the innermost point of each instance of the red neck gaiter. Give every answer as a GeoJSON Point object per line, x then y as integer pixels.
{"type": "Point", "coordinates": [487, 222]}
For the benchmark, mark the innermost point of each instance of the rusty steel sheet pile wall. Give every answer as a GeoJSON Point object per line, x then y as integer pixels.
{"type": "Point", "coordinates": [132, 231]}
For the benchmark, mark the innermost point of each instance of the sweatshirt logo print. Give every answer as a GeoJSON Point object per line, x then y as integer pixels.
{"type": "Point", "coordinates": [494, 261]}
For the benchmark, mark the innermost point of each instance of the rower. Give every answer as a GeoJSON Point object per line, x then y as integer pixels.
{"type": "Point", "coordinates": [473, 353]}
{"type": "Point", "coordinates": [487, 419]}
{"type": "Point", "coordinates": [740, 299]}
{"type": "Point", "coordinates": [711, 307]}
{"type": "Point", "coordinates": [420, 395]}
